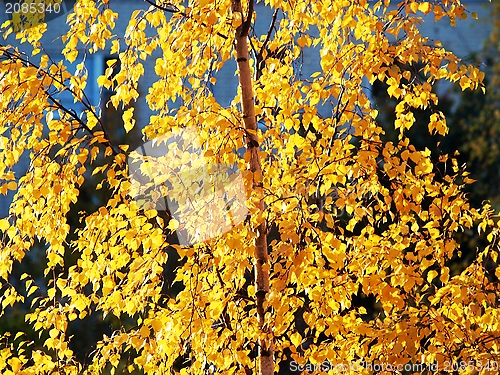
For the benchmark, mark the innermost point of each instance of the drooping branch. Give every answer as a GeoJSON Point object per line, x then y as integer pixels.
{"type": "Point", "coordinates": [13, 56]}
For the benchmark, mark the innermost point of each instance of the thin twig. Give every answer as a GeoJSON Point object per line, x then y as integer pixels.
{"type": "Point", "coordinates": [269, 32]}
{"type": "Point", "coordinates": [174, 9]}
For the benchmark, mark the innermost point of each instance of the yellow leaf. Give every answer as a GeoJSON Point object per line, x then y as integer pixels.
{"type": "Point", "coordinates": [212, 18]}
{"type": "Point", "coordinates": [394, 91]}
{"type": "Point", "coordinates": [445, 275]}
{"type": "Point", "coordinates": [15, 364]}
{"type": "Point", "coordinates": [128, 120]}
{"type": "Point", "coordinates": [32, 290]}
{"type": "Point", "coordinates": [302, 41]}
{"type": "Point", "coordinates": [144, 331]}
{"type": "Point", "coordinates": [156, 324]}
{"type": "Point", "coordinates": [53, 333]}
{"type": "Point", "coordinates": [173, 224]}
{"type": "Point", "coordinates": [296, 339]}
{"type": "Point", "coordinates": [4, 225]}
{"type": "Point", "coordinates": [103, 81]}
{"type": "Point", "coordinates": [424, 7]}
{"type": "Point", "coordinates": [431, 275]}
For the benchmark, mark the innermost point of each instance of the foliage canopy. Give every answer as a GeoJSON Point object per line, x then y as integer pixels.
{"type": "Point", "coordinates": [336, 215]}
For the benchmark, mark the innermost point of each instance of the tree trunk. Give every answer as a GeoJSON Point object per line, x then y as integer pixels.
{"type": "Point", "coordinates": [266, 355]}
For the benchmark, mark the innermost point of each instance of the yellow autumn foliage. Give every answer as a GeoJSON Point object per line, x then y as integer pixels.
{"type": "Point", "coordinates": [346, 214]}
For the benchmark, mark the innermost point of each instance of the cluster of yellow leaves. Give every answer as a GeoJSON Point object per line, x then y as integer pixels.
{"type": "Point", "coordinates": [348, 214]}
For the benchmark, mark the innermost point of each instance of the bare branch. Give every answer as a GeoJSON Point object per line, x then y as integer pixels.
{"type": "Point", "coordinates": [246, 25]}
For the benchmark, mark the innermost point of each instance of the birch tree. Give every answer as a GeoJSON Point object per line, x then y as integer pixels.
{"type": "Point", "coordinates": [334, 215]}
